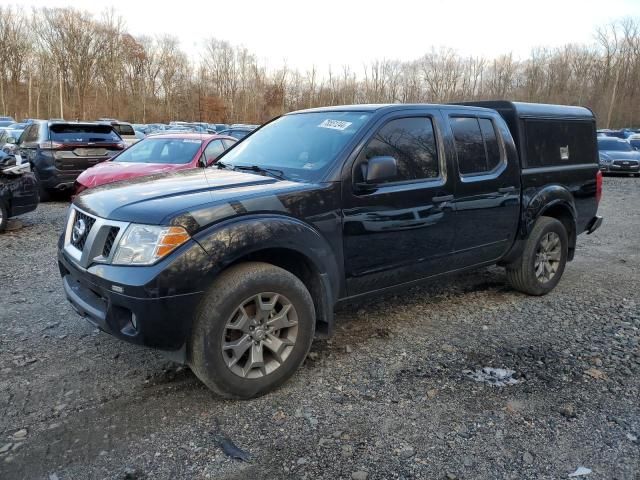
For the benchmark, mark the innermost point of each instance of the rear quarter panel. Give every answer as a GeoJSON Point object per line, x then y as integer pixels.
{"type": "Point", "coordinates": [574, 186]}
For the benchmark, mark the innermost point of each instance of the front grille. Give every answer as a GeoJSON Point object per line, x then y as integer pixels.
{"type": "Point", "coordinates": [626, 163]}
{"type": "Point", "coordinates": [108, 243]}
{"type": "Point", "coordinates": [79, 233]}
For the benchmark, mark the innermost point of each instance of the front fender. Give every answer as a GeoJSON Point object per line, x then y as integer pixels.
{"type": "Point", "coordinates": [231, 240]}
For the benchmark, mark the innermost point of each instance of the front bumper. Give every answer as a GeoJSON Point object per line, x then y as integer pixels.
{"type": "Point", "coordinates": [60, 180]}
{"type": "Point", "coordinates": [144, 318]}
{"type": "Point", "coordinates": [610, 168]}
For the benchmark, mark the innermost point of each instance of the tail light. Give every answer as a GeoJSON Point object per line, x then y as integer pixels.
{"type": "Point", "coordinates": [50, 145]}
{"type": "Point", "coordinates": [598, 186]}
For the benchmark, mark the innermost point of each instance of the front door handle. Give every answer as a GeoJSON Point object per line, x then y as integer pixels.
{"type": "Point", "coordinates": [443, 198]}
{"type": "Point", "coordinates": [507, 189]}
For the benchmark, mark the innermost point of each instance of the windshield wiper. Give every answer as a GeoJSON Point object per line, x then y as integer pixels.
{"type": "Point", "coordinates": [224, 165]}
{"type": "Point", "coordinates": [272, 172]}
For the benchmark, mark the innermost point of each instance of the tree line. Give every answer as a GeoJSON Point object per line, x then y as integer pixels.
{"type": "Point", "coordinates": [64, 62]}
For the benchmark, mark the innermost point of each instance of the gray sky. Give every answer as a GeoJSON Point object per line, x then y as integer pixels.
{"type": "Point", "coordinates": [338, 32]}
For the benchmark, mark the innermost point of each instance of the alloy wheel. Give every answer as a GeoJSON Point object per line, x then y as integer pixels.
{"type": "Point", "coordinates": [548, 256]}
{"type": "Point", "coordinates": [260, 335]}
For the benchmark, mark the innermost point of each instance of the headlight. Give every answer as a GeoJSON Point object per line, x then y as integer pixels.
{"type": "Point", "coordinates": [146, 244]}
{"type": "Point", "coordinates": [605, 158]}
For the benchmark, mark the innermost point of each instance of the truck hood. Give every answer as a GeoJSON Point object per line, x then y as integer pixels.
{"type": "Point", "coordinates": [112, 171]}
{"type": "Point", "coordinates": [161, 199]}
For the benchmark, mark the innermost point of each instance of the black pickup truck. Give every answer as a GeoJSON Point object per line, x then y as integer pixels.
{"type": "Point", "coordinates": [234, 268]}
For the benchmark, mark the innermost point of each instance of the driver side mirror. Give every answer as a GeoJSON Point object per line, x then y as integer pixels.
{"type": "Point", "coordinates": [378, 170]}
{"type": "Point", "coordinates": [11, 140]}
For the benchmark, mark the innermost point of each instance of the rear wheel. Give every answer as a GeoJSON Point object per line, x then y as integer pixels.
{"type": "Point", "coordinates": [252, 331]}
{"type": "Point", "coordinates": [543, 260]}
{"type": "Point", "coordinates": [4, 216]}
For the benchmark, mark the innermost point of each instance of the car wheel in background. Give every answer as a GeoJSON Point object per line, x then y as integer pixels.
{"type": "Point", "coordinates": [543, 260]}
{"type": "Point", "coordinates": [252, 331]}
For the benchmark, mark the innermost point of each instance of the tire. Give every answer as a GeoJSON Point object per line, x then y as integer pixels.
{"type": "Point", "coordinates": [4, 216]}
{"type": "Point", "coordinates": [237, 286]}
{"type": "Point", "coordinates": [521, 274]}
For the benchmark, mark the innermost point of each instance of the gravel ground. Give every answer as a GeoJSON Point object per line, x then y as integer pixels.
{"type": "Point", "coordinates": [386, 397]}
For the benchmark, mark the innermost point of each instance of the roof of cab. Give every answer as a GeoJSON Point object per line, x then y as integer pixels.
{"type": "Point", "coordinates": [378, 107]}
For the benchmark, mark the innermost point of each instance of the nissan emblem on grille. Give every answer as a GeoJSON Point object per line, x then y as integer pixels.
{"type": "Point", "coordinates": [79, 229]}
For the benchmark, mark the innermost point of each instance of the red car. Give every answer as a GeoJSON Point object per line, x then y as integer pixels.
{"type": "Point", "coordinates": [156, 154]}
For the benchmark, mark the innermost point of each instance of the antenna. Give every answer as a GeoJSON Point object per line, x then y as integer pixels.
{"type": "Point", "coordinates": [204, 151]}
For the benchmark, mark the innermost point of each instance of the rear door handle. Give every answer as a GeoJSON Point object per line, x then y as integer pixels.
{"type": "Point", "coordinates": [443, 198]}
{"type": "Point", "coordinates": [507, 190]}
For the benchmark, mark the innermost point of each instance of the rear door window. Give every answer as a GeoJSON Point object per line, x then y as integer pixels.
{"type": "Point", "coordinates": [83, 133]}
{"type": "Point", "coordinates": [30, 134]}
{"type": "Point", "coordinates": [477, 145]}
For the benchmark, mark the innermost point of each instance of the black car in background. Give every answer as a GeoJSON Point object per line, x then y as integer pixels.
{"type": "Point", "coordinates": [60, 151]}
{"type": "Point", "coordinates": [18, 189]}
{"type": "Point", "coordinates": [618, 156]}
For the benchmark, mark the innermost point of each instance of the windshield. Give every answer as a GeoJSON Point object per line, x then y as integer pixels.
{"type": "Point", "coordinates": [176, 151]}
{"type": "Point", "coordinates": [302, 145]}
{"type": "Point", "coordinates": [614, 145]}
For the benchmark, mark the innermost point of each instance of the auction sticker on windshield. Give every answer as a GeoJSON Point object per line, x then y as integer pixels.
{"type": "Point", "coordinates": [335, 124]}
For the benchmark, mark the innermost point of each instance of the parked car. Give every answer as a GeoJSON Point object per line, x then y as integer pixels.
{"type": "Point", "coordinates": [618, 156]}
{"type": "Point", "coordinates": [7, 119]}
{"type": "Point", "coordinates": [156, 154]}
{"type": "Point", "coordinates": [60, 151]}
{"type": "Point", "coordinates": [235, 268]}
{"type": "Point", "coordinates": [237, 132]}
{"type": "Point", "coordinates": [6, 123]}
{"type": "Point", "coordinates": [18, 189]}
{"type": "Point", "coordinates": [634, 141]}
{"type": "Point", "coordinates": [126, 132]}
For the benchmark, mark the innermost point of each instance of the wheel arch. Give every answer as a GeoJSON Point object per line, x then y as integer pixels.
{"type": "Point", "coordinates": [285, 242]}
{"type": "Point", "coordinates": [551, 201]}
{"type": "Point", "coordinates": [554, 201]}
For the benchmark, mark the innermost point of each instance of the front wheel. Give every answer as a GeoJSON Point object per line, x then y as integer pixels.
{"type": "Point", "coordinates": [543, 260]}
{"type": "Point", "coordinates": [252, 331]}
